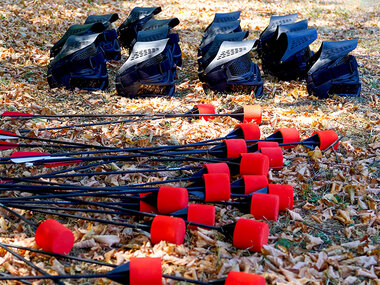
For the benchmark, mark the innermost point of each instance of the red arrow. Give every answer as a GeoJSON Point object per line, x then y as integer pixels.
{"type": "Point", "coordinates": [6, 135]}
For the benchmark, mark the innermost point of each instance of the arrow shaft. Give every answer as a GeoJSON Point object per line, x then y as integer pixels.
{"type": "Point", "coordinates": [89, 261]}
{"type": "Point", "coordinates": [146, 116]}
{"type": "Point", "coordinates": [31, 264]}
{"type": "Point", "coordinates": [114, 172]}
{"type": "Point", "coordinates": [42, 145]}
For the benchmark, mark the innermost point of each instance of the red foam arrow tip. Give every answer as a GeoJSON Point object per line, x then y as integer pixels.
{"type": "Point", "coordinates": [7, 145]}
{"type": "Point", "coordinates": [14, 115]}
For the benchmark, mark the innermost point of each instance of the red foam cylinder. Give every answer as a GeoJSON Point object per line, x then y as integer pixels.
{"type": "Point", "coordinates": [52, 236]}
{"type": "Point", "coordinates": [235, 147]}
{"type": "Point", "coordinates": [170, 229]}
{"type": "Point", "coordinates": [265, 206]}
{"type": "Point", "coordinates": [145, 207]}
{"type": "Point", "coordinates": [254, 164]}
{"type": "Point", "coordinates": [171, 199]}
{"type": "Point", "coordinates": [285, 193]}
{"type": "Point", "coordinates": [242, 278]}
{"type": "Point", "coordinates": [327, 138]}
{"type": "Point", "coordinates": [201, 214]}
{"type": "Point", "coordinates": [217, 187]}
{"type": "Point", "coordinates": [253, 183]}
{"type": "Point", "coordinates": [251, 131]}
{"type": "Point", "coordinates": [205, 109]}
{"type": "Point", "coordinates": [250, 234]}
{"type": "Point", "coordinates": [145, 270]}
{"type": "Point", "coordinates": [220, 167]}
{"type": "Point", "coordinates": [289, 135]}
{"type": "Point", "coordinates": [276, 158]}
{"type": "Point", "coordinates": [252, 114]}
{"type": "Point", "coordinates": [260, 145]}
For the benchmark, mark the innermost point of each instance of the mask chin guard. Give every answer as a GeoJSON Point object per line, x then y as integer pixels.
{"type": "Point", "coordinates": [333, 71]}
{"type": "Point", "coordinates": [80, 64]}
{"type": "Point", "coordinates": [138, 17]}
{"type": "Point", "coordinates": [285, 55]}
{"type": "Point", "coordinates": [149, 71]}
{"type": "Point", "coordinates": [232, 69]}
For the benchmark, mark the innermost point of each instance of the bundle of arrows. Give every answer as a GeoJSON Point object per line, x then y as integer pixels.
{"type": "Point", "coordinates": [227, 172]}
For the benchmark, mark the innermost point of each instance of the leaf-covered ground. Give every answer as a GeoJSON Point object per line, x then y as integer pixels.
{"type": "Point", "coordinates": [331, 236]}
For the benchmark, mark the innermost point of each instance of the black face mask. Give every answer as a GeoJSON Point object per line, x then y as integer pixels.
{"type": "Point", "coordinates": [231, 67]}
{"type": "Point", "coordinates": [149, 71]}
{"type": "Point", "coordinates": [138, 17]}
{"type": "Point", "coordinates": [81, 63]}
{"type": "Point", "coordinates": [332, 71]}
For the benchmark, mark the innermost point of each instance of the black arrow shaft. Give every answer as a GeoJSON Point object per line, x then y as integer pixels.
{"type": "Point", "coordinates": [60, 142]}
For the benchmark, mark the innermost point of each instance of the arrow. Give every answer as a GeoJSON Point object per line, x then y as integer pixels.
{"type": "Point", "coordinates": [124, 267]}
{"type": "Point", "coordinates": [6, 135]}
{"type": "Point", "coordinates": [120, 274]}
{"type": "Point", "coordinates": [246, 113]}
{"type": "Point", "coordinates": [31, 264]}
{"type": "Point", "coordinates": [8, 145]}
{"type": "Point", "coordinates": [250, 113]}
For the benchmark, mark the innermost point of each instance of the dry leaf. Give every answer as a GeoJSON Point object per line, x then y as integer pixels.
{"type": "Point", "coordinates": [295, 216]}
{"type": "Point", "coordinates": [108, 240]}
{"type": "Point", "coordinates": [85, 244]}
{"type": "Point", "coordinates": [312, 241]}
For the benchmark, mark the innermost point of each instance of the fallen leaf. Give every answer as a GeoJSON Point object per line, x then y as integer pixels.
{"type": "Point", "coordinates": [312, 241]}
{"type": "Point", "coordinates": [108, 240]}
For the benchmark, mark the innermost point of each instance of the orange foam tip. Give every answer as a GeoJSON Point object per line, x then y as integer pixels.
{"type": "Point", "coordinates": [250, 234]}
{"type": "Point", "coordinates": [145, 270]}
{"type": "Point", "coordinates": [275, 155]}
{"type": "Point", "coordinates": [327, 138]}
{"type": "Point", "coordinates": [219, 167]}
{"type": "Point", "coordinates": [52, 236]}
{"type": "Point", "coordinates": [289, 135]}
{"type": "Point", "coordinates": [254, 164]}
{"type": "Point", "coordinates": [205, 109]}
{"type": "Point", "coordinates": [235, 147]}
{"type": "Point", "coordinates": [251, 131]}
{"type": "Point", "coordinates": [217, 187]}
{"type": "Point", "coordinates": [201, 214]}
{"type": "Point", "coordinates": [265, 206]}
{"type": "Point", "coordinates": [171, 199]}
{"type": "Point", "coordinates": [165, 228]}
{"type": "Point", "coordinates": [285, 193]}
{"type": "Point", "coordinates": [243, 278]}
{"type": "Point", "coordinates": [253, 183]}
{"type": "Point", "coordinates": [262, 144]}
{"type": "Point", "coordinates": [252, 114]}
